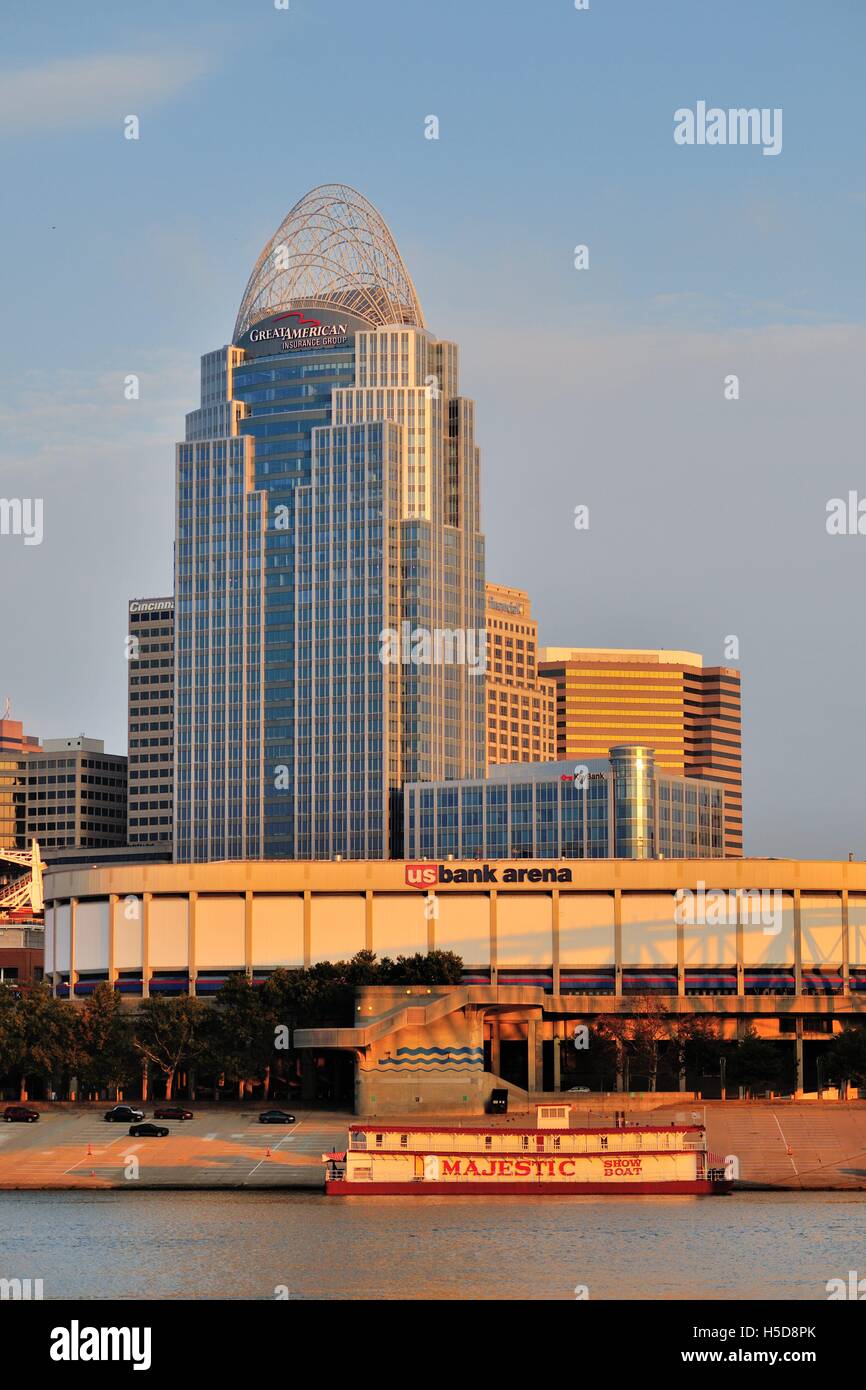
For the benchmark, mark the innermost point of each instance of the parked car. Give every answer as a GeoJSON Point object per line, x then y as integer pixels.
{"type": "Point", "coordinates": [498, 1102]}
{"type": "Point", "coordinates": [148, 1131]}
{"type": "Point", "coordinates": [578, 1090]}
{"type": "Point", "coordinates": [125, 1113]}
{"type": "Point", "coordinates": [20, 1114]}
{"type": "Point", "coordinates": [172, 1112]}
{"type": "Point", "coordinates": [276, 1117]}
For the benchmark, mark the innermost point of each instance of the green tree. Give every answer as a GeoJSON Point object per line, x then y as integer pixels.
{"type": "Point", "coordinates": [170, 1034]}
{"type": "Point", "coordinates": [846, 1056]}
{"type": "Point", "coordinates": [10, 1031]}
{"type": "Point", "coordinates": [104, 1041]}
{"type": "Point", "coordinates": [755, 1064]}
{"type": "Point", "coordinates": [44, 1035]}
{"type": "Point", "coordinates": [241, 1043]}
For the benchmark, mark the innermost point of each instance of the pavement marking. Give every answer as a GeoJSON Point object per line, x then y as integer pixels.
{"type": "Point", "coordinates": [207, 1137]}
{"type": "Point", "coordinates": [785, 1142]}
{"type": "Point", "coordinates": [276, 1146]}
{"type": "Point", "coordinates": [88, 1157]}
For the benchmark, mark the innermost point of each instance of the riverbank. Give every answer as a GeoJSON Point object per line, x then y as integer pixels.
{"type": "Point", "coordinates": [777, 1146]}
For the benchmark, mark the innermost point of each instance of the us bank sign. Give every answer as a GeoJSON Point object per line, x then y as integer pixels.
{"type": "Point", "coordinates": [434, 875]}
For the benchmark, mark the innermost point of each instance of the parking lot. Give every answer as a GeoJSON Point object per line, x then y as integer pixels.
{"type": "Point", "coordinates": [223, 1146]}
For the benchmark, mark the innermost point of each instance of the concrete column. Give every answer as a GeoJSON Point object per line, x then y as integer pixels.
{"type": "Point", "coordinates": [112, 910]}
{"type": "Point", "coordinates": [681, 966]}
{"type": "Point", "coordinates": [493, 961]}
{"type": "Point", "coordinates": [495, 1050]}
{"type": "Point", "coordinates": [191, 941]}
{"type": "Point", "coordinates": [741, 984]}
{"type": "Point", "coordinates": [798, 949]}
{"type": "Point", "coordinates": [554, 916]}
{"type": "Point", "coordinates": [617, 942]}
{"type": "Point", "coordinates": [248, 933]}
{"type": "Point", "coordinates": [558, 1029]}
{"type": "Point", "coordinates": [799, 1044]}
{"type": "Point", "coordinates": [846, 946]}
{"type": "Point", "coordinates": [431, 912]}
{"type": "Point", "coordinates": [145, 945]}
{"type": "Point", "coordinates": [533, 1070]}
{"type": "Point", "coordinates": [368, 920]}
{"type": "Point", "coordinates": [73, 905]}
{"type": "Point", "coordinates": [308, 917]}
{"type": "Point", "coordinates": [56, 973]}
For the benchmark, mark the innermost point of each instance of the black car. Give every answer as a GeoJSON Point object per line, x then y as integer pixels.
{"type": "Point", "coordinates": [124, 1113]}
{"type": "Point", "coordinates": [20, 1114]}
{"type": "Point", "coordinates": [276, 1117]}
{"type": "Point", "coordinates": [172, 1112]}
{"type": "Point", "coordinates": [148, 1131]}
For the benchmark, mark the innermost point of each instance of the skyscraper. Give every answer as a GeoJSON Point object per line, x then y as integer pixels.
{"type": "Point", "coordinates": [327, 518]}
{"type": "Point", "coordinates": [150, 718]}
{"type": "Point", "coordinates": [15, 748]}
{"type": "Point", "coordinates": [76, 794]}
{"type": "Point", "coordinates": [521, 706]}
{"type": "Point", "coordinates": [688, 713]}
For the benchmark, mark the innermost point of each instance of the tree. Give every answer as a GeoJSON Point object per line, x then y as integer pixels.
{"type": "Point", "coordinates": [104, 1041]}
{"type": "Point", "coordinates": [242, 1040]}
{"type": "Point", "coordinates": [847, 1055]}
{"type": "Point", "coordinates": [42, 1033]}
{"type": "Point", "coordinates": [696, 1044]}
{"type": "Point", "coordinates": [170, 1033]}
{"type": "Point", "coordinates": [10, 1032]}
{"type": "Point", "coordinates": [755, 1064]}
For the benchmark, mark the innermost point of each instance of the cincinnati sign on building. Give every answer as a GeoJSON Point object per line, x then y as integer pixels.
{"type": "Point", "coordinates": [160, 605]}
{"type": "Point", "coordinates": [433, 875]}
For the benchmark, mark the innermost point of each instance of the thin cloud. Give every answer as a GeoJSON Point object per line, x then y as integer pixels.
{"type": "Point", "coordinates": [73, 93]}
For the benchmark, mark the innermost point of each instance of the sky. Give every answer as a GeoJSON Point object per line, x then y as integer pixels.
{"type": "Point", "coordinates": [602, 387]}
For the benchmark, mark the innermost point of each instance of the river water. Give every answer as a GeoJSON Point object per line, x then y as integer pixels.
{"type": "Point", "coordinates": [263, 1245]}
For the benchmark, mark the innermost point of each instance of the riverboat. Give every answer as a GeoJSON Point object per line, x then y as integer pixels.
{"type": "Point", "coordinates": [551, 1159]}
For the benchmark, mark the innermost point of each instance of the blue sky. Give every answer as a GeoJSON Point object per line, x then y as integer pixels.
{"type": "Point", "coordinates": [601, 387]}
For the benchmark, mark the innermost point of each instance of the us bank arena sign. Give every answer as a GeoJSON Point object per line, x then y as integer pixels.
{"type": "Point", "coordinates": [433, 875]}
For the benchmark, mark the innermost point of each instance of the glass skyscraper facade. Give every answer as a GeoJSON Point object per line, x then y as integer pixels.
{"type": "Point", "coordinates": [622, 808]}
{"type": "Point", "coordinates": [327, 514]}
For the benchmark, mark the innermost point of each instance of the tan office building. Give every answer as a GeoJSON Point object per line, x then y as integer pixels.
{"type": "Point", "coordinates": [689, 713]}
{"type": "Point", "coordinates": [521, 707]}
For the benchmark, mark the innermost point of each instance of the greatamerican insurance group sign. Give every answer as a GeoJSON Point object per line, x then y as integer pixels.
{"type": "Point", "coordinates": [296, 330]}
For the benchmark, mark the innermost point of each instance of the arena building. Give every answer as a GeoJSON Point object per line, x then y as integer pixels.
{"type": "Point", "coordinates": [778, 945]}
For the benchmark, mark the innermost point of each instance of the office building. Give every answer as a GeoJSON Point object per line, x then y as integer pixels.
{"type": "Point", "coordinates": [76, 795]}
{"type": "Point", "coordinates": [688, 713]}
{"type": "Point", "coordinates": [329, 566]}
{"type": "Point", "coordinates": [621, 808]}
{"type": "Point", "coordinates": [15, 749]}
{"type": "Point", "coordinates": [521, 705]}
{"type": "Point", "coordinates": [150, 656]}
